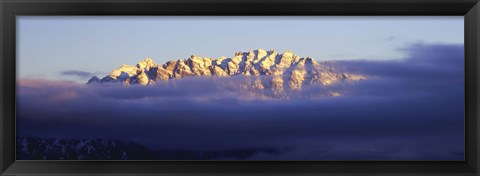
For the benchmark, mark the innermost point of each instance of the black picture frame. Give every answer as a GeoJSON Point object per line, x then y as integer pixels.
{"type": "Point", "coordinates": [9, 9]}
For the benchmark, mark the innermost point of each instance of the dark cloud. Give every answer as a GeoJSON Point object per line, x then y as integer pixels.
{"type": "Point", "coordinates": [391, 38]}
{"type": "Point", "coordinates": [77, 73]}
{"type": "Point", "coordinates": [423, 61]}
{"type": "Point", "coordinates": [407, 110]}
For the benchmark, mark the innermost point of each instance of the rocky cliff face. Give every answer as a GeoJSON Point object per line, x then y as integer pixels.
{"type": "Point", "coordinates": [277, 72]}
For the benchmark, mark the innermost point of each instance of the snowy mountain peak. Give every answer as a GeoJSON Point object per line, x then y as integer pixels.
{"type": "Point", "coordinates": [147, 64]}
{"type": "Point", "coordinates": [285, 71]}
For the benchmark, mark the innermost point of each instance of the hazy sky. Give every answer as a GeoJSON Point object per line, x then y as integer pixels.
{"type": "Point", "coordinates": [50, 45]}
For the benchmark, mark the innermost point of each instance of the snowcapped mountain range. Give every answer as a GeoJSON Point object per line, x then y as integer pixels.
{"type": "Point", "coordinates": [267, 70]}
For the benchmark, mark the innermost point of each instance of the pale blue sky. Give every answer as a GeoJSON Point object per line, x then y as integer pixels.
{"type": "Point", "coordinates": [48, 45]}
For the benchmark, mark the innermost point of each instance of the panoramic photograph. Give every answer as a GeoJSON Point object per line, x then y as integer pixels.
{"type": "Point", "coordinates": [316, 88]}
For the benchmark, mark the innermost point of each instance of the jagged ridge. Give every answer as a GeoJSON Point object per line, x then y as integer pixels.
{"type": "Point", "coordinates": [284, 70]}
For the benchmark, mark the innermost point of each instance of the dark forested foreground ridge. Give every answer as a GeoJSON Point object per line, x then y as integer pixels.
{"type": "Point", "coordinates": [34, 148]}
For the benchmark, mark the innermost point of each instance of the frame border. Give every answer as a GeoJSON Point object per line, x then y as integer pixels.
{"type": "Point", "coordinates": [9, 9]}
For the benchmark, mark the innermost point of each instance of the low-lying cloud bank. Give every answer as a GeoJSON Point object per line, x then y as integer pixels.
{"type": "Point", "coordinates": [408, 110]}
{"type": "Point", "coordinates": [77, 73]}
